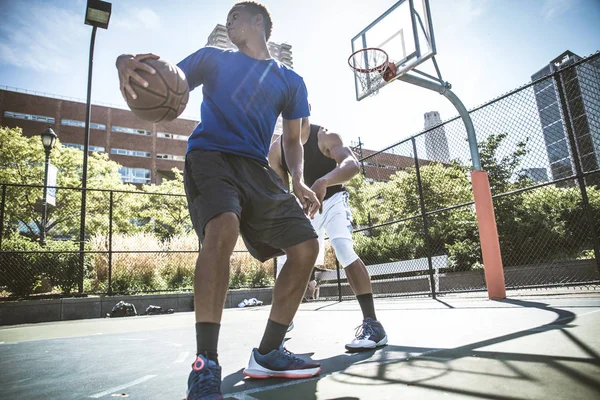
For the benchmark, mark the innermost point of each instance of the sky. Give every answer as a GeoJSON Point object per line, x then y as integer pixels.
{"type": "Point", "coordinates": [485, 48]}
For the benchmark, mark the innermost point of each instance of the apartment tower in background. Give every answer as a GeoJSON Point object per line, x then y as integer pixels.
{"type": "Point", "coordinates": [436, 143]}
{"type": "Point", "coordinates": [567, 104]}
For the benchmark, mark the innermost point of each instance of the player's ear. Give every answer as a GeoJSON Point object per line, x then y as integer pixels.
{"type": "Point", "coordinates": [259, 20]}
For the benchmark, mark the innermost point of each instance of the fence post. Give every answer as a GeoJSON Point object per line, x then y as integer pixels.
{"type": "Point", "coordinates": [578, 170]}
{"type": "Point", "coordinates": [110, 232]}
{"type": "Point", "coordinates": [424, 216]}
{"type": "Point", "coordinates": [2, 214]}
{"type": "Point", "coordinates": [337, 268]}
{"type": "Point", "coordinates": [81, 243]}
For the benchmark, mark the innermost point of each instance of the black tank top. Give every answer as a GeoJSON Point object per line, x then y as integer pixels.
{"type": "Point", "coordinates": [316, 164]}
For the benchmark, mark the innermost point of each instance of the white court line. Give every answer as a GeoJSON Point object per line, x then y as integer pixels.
{"type": "Point", "coordinates": [182, 356]}
{"type": "Point", "coordinates": [242, 396]}
{"type": "Point", "coordinates": [119, 388]}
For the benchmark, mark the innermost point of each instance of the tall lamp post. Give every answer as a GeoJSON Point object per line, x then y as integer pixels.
{"type": "Point", "coordinates": [48, 140]}
{"type": "Point", "coordinates": [97, 15]}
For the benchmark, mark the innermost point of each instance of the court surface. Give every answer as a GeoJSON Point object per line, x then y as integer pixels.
{"type": "Point", "coordinates": [525, 347]}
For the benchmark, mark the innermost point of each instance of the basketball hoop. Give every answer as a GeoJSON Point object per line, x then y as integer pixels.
{"type": "Point", "coordinates": [371, 67]}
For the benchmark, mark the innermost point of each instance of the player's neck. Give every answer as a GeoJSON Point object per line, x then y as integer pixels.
{"type": "Point", "coordinates": [256, 49]}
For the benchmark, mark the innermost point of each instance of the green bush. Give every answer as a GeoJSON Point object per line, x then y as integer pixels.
{"type": "Point", "coordinates": [464, 256]}
{"type": "Point", "coordinates": [20, 273]}
{"type": "Point", "coordinates": [178, 275]}
{"type": "Point", "coordinates": [25, 265]}
{"type": "Point", "coordinates": [260, 276]}
{"type": "Point", "coordinates": [237, 277]}
{"type": "Point", "coordinates": [63, 268]}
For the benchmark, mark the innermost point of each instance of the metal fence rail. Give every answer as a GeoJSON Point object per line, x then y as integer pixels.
{"type": "Point", "coordinates": [415, 225]}
{"type": "Point", "coordinates": [130, 246]}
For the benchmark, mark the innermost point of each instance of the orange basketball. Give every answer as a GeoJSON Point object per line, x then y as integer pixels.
{"type": "Point", "coordinates": [165, 97]}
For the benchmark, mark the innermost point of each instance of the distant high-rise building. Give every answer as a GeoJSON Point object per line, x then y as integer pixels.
{"type": "Point", "coordinates": [436, 144]}
{"type": "Point", "coordinates": [282, 52]}
{"type": "Point", "coordinates": [538, 175]}
{"type": "Point", "coordinates": [580, 98]}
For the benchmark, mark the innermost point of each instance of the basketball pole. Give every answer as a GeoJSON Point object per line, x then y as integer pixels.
{"type": "Point", "coordinates": [86, 146]}
{"type": "Point", "coordinates": [97, 15]}
{"type": "Point", "coordinates": [482, 194]}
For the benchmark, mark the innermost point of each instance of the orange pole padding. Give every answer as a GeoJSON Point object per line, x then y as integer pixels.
{"type": "Point", "coordinates": [488, 235]}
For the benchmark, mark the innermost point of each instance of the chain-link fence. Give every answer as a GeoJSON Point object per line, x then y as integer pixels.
{"type": "Point", "coordinates": [134, 242]}
{"type": "Point", "coordinates": [415, 222]}
{"type": "Point", "coordinates": [540, 146]}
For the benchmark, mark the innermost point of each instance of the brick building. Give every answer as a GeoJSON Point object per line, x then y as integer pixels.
{"type": "Point", "coordinates": [147, 151]}
{"type": "Point", "coordinates": [381, 166]}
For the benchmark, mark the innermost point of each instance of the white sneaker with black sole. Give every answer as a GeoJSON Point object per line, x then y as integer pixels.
{"type": "Point", "coordinates": [370, 335]}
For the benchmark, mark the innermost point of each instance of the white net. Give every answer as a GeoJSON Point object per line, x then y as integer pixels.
{"type": "Point", "coordinates": [369, 65]}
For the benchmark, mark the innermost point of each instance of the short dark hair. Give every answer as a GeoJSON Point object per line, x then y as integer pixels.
{"type": "Point", "coordinates": [256, 8]}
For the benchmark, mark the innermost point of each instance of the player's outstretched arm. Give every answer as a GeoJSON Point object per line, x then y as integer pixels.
{"type": "Point", "coordinates": [294, 157]}
{"type": "Point", "coordinates": [332, 146]}
{"type": "Point", "coordinates": [126, 65]}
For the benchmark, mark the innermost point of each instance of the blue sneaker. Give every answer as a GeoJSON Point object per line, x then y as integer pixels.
{"type": "Point", "coordinates": [280, 364]}
{"type": "Point", "coordinates": [204, 382]}
{"type": "Point", "coordinates": [370, 335]}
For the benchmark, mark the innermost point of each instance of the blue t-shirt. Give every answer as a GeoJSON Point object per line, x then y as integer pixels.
{"type": "Point", "coordinates": [243, 97]}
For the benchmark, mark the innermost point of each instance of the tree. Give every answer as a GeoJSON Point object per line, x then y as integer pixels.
{"type": "Point", "coordinates": [451, 232]}
{"type": "Point", "coordinates": [22, 163]}
{"type": "Point", "coordinates": [165, 207]}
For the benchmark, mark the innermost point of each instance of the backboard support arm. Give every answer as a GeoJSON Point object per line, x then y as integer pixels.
{"type": "Point", "coordinates": [444, 90]}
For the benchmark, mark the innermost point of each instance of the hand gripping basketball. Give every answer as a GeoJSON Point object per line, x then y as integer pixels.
{"type": "Point", "coordinates": [155, 90]}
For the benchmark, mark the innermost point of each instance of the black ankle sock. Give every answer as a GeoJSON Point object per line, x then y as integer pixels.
{"type": "Point", "coordinates": [273, 337]}
{"type": "Point", "coordinates": [207, 338]}
{"type": "Point", "coordinates": [366, 305]}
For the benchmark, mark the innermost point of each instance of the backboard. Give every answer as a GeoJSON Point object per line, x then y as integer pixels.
{"type": "Point", "coordinates": [404, 32]}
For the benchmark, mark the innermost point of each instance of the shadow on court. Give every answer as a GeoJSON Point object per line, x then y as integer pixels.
{"type": "Point", "coordinates": [519, 348]}
{"type": "Point", "coordinates": [481, 369]}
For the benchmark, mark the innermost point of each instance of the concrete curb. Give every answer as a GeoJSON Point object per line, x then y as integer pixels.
{"type": "Point", "coordinates": [34, 311]}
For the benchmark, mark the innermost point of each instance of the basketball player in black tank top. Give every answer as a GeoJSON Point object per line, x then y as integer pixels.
{"type": "Point", "coordinates": [328, 164]}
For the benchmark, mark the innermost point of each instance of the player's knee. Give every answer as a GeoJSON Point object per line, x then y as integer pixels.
{"type": "Point", "coordinates": [344, 251]}
{"type": "Point", "coordinates": [304, 253]}
{"type": "Point", "coordinates": [221, 232]}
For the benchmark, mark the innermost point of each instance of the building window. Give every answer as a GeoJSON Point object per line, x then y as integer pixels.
{"type": "Point", "coordinates": [166, 135]}
{"type": "Point", "coordinates": [135, 175]}
{"type": "Point", "coordinates": [170, 157]}
{"type": "Point", "coordinates": [131, 131]}
{"type": "Point", "coordinates": [81, 124]}
{"type": "Point", "coordinates": [133, 153]}
{"type": "Point", "coordinates": [98, 149]}
{"type": "Point", "coordinates": [28, 117]}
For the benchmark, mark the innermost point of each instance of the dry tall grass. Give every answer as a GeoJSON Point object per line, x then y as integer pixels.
{"type": "Point", "coordinates": [141, 262]}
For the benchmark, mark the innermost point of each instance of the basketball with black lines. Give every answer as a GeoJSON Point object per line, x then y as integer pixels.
{"type": "Point", "coordinates": [165, 97]}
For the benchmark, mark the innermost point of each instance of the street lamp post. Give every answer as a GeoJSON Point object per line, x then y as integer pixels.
{"type": "Point", "coordinates": [48, 140]}
{"type": "Point", "coordinates": [97, 15]}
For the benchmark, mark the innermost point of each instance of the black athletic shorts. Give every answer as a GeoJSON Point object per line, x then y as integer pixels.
{"type": "Point", "coordinates": [270, 218]}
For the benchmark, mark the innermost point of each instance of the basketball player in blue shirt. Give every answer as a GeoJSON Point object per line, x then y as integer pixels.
{"type": "Point", "coordinates": [231, 189]}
